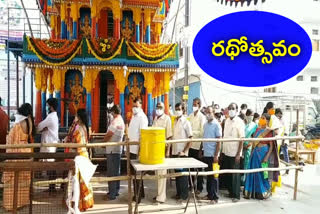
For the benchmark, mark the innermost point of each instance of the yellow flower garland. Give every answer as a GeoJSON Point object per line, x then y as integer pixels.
{"type": "Point", "coordinates": [100, 58]}
{"type": "Point", "coordinates": [149, 61]}
{"type": "Point", "coordinates": [147, 46]}
{"type": "Point", "coordinates": [50, 63]}
{"type": "Point", "coordinates": [153, 55]}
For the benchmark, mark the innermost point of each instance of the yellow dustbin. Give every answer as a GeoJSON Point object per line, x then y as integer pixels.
{"type": "Point", "coordinates": [152, 145]}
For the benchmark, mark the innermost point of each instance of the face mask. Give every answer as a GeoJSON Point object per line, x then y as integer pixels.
{"type": "Point", "coordinates": [271, 111]}
{"type": "Point", "coordinates": [195, 109]}
{"type": "Point", "coordinates": [48, 109]}
{"type": "Point", "coordinates": [250, 119]}
{"type": "Point", "coordinates": [243, 111]}
{"type": "Point", "coordinates": [209, 117]}
{"type": "Point", "coordinates": [135, 110]}
{"type": "Point", "coordinates": [159, 112]}
{"type": "Point", "coordinates": [178, 113]}
{"type": "Point", "coordinates": [232, 113]}
{"type": "Point", "coordinates": [262, 122]}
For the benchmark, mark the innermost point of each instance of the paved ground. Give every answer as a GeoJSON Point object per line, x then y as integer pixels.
{"type": "Point", "coordinates": [308, 200]}
{"type": "Point", "coordinates": [282, 202]}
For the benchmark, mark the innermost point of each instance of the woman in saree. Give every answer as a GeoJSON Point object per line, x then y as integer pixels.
{"type": "Point", "coordinates": [82, 193]}
{"type": "Point", "coordinates": [22, 133]}
{"type": "Point", "coordinates": [257, 184]}
{"type": "Point", "coordinates": [250, 129]}
{"type": "Point", "coordinates": [274, 124]}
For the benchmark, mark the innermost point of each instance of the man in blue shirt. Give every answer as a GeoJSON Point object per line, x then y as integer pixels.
{"type": "Point", "coordinates": [211, 129]}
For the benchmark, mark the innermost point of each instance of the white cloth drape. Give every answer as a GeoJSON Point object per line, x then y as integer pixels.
{"type": "Point", "coordinates": [86, 169]}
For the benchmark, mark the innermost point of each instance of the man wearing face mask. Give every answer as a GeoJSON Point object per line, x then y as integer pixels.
{"type": "Point", "coordinates": [162, 120]}
{"type": "Point", "coordinates": [49, 129]}
{"type": "Point", "coordinates": [233, 128]}
{"type": "Point", "coordinates": [197, 120]}
{"type": "Point", "coordinates": [212, 129]}
{"type": "Point", "coordinates": [181, 130]}
{"type": "Point", "coordinates": [138, 121]}
{"type": "Point", "coordinates": [114, 134]}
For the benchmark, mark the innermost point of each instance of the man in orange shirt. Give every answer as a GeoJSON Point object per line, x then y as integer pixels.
{"type": "Point", "coordinates": [4, 121]}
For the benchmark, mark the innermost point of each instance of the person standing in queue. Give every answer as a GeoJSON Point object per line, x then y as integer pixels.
{"type": "Point", "coordinates": [250, 129]}
{"type": "Point", "coordinates": [3, 128]}
{"type": "Point", "coordinates": [197, 120]}
{"type": "Point", "coordinates": [162, 120]}
{"type": "Point", "coordinates": [114, 134]}
{"type": "Point", "coordinates": [212, 129]}
{"type": "Point", "coordinates": [283, 131]}
{"type": "Point", "coordinates": [49, 129]}
{"type": "Point", "coordinates": [233, 128]}
{"type": "Point", "coordinates": [182, 130]}
{"type": "Point", "coordinates": [138, 121]}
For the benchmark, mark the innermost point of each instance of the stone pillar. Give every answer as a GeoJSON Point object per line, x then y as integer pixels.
{"type": "Point", "coordinates": [75, 17]}
{"type": "Point", "coordinates": [157, 32]}
{"type": "Point", "coordinates": [116, 23]}
{"type": "Point", "coordinates": [137, 20]}
{"type": "Point", "coordinates": [166, 89]}
{"type": "Point", "coordinates": [88, 82]}
{"type": "Point", "coordinates": [121, 82]}
{"type": "Point", "coordinates": [149, 83]}
{"type": "Point", "coordinates": [94, 19]}
{"type": "Point", "coordinates": [37, 78]}
{"type": "Point", "coordinates": [53, 26]}
{"type": "Point", "coordinates": [58, 83]}
{"type": "Point", "coordinates": [147, 17]}
{"type": "Point", "coordinates": [63, 21]}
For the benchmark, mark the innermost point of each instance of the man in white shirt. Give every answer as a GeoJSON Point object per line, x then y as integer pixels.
{"type": "Point", "coordinates": [138, 121]}
{"type": "Point", "coordinates": [49, 129]}
{"type": "Point", "coordinates": [114, 134]}
{"type": "Point", "coordinates": [233, 128]}
{"type": "Point", "coordinates": [182, 130]}
{"type": "Point", "coordinates": [197, 120]}
{"type": "Point", "coordinates": [162, 120]}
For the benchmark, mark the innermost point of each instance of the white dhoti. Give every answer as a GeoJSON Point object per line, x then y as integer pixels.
{"type": "Point", "coordinates": [162, 184]}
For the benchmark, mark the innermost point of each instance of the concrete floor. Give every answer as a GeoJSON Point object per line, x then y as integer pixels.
{"type": "Point", "coordinates": [282, 202]}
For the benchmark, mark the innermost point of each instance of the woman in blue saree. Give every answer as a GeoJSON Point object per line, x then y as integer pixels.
{"type": "Point", "coordinates": [257, 185]}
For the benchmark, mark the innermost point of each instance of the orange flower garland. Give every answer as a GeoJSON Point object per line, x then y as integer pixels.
{"type": "Point", "coordinates": [66, 49]}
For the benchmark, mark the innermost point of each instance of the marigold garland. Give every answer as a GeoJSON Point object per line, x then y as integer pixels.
{"type": "Point", "coordinates": [49, 57]}
{"type": "Point", "coordinates": [150, 47]}
{"type": "Point", "coordinates": [102, 58]}
{"type": "Point", "coordinates": [59, 50]}
{"type": "Point", "coordinates": [46, 44]}
{"type": "Point", "coordinates": [154, 53]}
{"type": "Point", "coordinates": [151, 59]}
{"type": "Point", "coordinates": [42, 58]}
{"type": "Point", "coordinates": [62, 52]}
